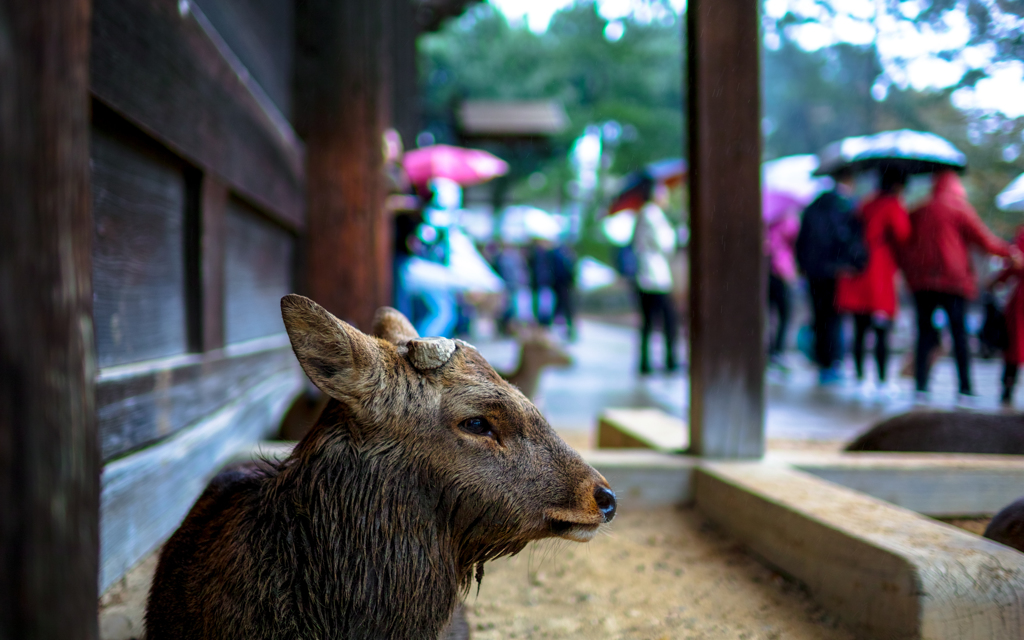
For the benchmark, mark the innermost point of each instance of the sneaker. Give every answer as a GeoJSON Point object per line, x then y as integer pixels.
{"type": "Point", "coordinates": [864, 388]}
{"type": "Point", "coordinates": [966, 401]}
{"type": "Point", "coordinates": [922, 399]}
{"type": "Point", "coordinates": [887, 391]}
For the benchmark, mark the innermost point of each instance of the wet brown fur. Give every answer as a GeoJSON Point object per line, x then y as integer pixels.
{"type": "Point", "coordinates": [373, 526]}
{"type": "Point", "coordinates": [1007, 527]}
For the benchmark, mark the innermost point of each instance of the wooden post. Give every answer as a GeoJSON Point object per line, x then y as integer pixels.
{"type": "Point", "coordinates": [727, 299]}
{"type": "Point", "coordinates": [49, 450]}
{"type": "Point", "coordinates": [339, 110]}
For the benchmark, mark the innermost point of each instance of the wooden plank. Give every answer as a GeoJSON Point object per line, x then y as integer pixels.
{"type": "Point", "coordinates": [641, 428]}
{"type": "Point", "coordinates": [138, 405]}
{"type": "Point", "coordinates": [49, 458]}
{"type": "Point", "coordinates": [258, 260]}
{"type": "Point", "coordinates": [139, 200]}
{"type": "Point", "coordinates": [339, 110]}
{"type": "Point", "coordinates": [147, 495]}
{"type": "Point", "coordinates": [728, 278]}
{"type": "Point", "coordinates": [932, 484]}
{"type": "Point", "coordinates": [887, 571]}
{"type": "Point", "coordinates": [213, 203]}
{"type": "Point", "coordinates": [163, 66]}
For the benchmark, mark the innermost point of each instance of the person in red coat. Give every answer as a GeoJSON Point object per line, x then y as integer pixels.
{"type": "Point", "coordinates": [937, 265]}
{"type": "Point", "coordinates": [871, 294]}
{"type": "Point", "coordinates": [1013, 355]}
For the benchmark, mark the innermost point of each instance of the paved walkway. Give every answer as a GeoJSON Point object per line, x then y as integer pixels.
{"type": "Point", "coordinates": [604, 375]}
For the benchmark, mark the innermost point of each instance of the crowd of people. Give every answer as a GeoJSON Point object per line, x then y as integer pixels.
{"type": "Point", "coordinates": [851, 255]}
{"type": "Point", "coordinates": [546, 271]}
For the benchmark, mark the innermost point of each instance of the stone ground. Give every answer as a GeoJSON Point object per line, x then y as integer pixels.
{"type": "Point", "coordinates": [799, 412]}
{"type": "Point", "coordinates": [656, 574]}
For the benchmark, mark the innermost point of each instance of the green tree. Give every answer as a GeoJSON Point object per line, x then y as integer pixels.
{"type": "Point", "coordinates": [635, 80]}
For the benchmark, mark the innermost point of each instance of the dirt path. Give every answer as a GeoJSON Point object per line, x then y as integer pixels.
{"type": "Point", "coordinates": [658, 574]}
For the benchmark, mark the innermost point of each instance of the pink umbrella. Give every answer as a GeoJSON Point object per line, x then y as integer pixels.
{"type": "Point", "coordinates": [464, 166]}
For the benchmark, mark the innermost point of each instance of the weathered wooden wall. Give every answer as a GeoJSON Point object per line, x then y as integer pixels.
{"type": "Point", "coordinates": [199, 206]}
{"type": "Point", "coordinates": [49, 457]}
{"type": "Point", "coordinates": [727, 267]}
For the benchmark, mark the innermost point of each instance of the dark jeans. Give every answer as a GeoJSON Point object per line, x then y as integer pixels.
{"type": "Point", "coordinates": [657, 306]}
{"type": "Point", "coordinates": [862, 323]}
{"type": "Point", "coordinates": [1009, 381]}
{"type": "Point", "coordinates": [827, 327]}
{"type": "Point", "coordinates": [778, 299]}
{"type": "Point", "coordinates": [928, 336]}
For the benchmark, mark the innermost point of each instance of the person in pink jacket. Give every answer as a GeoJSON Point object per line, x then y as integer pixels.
{"type": "Point", "coordinates": [779, 244]}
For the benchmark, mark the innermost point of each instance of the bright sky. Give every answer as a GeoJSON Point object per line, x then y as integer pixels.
{"type": "Point", "coordinates": [538, 13]}
{"type": "Point", "coordinates": [912, 55]}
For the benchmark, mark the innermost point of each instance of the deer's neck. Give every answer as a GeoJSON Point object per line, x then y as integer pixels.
{"type": "Point", "coordinates": [371, 556]}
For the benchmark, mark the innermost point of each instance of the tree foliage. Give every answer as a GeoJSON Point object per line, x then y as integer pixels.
{"type": "Point", "coordinates": [810, 98]}
{"type": "Point", "coordinates": [636, 80]}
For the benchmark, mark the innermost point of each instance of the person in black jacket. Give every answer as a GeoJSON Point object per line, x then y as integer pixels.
{"type": "Point", "coordinates": [830, 241]}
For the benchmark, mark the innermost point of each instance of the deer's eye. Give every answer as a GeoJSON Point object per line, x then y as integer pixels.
{"type": "Point", "coordinates": [477, 426]}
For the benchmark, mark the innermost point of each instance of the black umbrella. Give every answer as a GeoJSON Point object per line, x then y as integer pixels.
{"type": "Point", "coordinates": [912, 151]}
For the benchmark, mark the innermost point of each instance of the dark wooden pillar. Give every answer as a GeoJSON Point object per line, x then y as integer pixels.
{"type": "Point", "coordinates": [49, 451]}
{"type": "Point", "coordinates": [727, 306]}
{"type": "Point", "coordinates": [340, 114]}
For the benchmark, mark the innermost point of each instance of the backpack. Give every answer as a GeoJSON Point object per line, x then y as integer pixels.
{"type": "Point", "coordinates": [626, 261]}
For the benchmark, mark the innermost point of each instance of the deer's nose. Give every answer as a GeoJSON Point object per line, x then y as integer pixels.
{"type": "Point", "coordinates": [605, 502]}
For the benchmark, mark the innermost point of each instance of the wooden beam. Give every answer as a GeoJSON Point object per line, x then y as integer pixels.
{"type": "Point", "coordinates": [49, 455]}
{"type": "Point", "coordinates": [139, 404]}
{"type": "Point", "coordinates": [162, 66]}
{"type": "Point", "coordinates": [340, 111]}
{"type": "Point", "coordinates": [934, 484]}
{"type": "Point", "coordinates": [641, 429]}
{"type": "Point", "coordinates": [727, 300]}
{"type": "Point", "coordinates": [887, 571]}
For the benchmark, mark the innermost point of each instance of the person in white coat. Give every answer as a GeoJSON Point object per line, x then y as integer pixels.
{"type": "Point", "coordinates": [654, 242]}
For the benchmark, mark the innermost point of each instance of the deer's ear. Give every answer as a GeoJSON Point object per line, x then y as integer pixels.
{"type": "Point", "coordinates": [392, 326]}
{"type": "Point", "coordinates": [334, 354]}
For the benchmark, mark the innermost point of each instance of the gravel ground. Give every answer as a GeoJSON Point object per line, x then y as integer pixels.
{"type": "Point", "coordinates": [663, 573]}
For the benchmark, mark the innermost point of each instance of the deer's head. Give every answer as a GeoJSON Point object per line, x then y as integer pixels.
{"type": "Point", "coordinates": [435, 408]}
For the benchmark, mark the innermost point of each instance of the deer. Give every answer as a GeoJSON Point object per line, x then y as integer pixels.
{"type": "Point", "coordinates": [1007, 526]}
{"type": "Point", "coordinates": [945, 432]}
{"type": "Point", "coordinates": [424, 465]}
{"type": "Point", "coordinates": [537, 350]}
